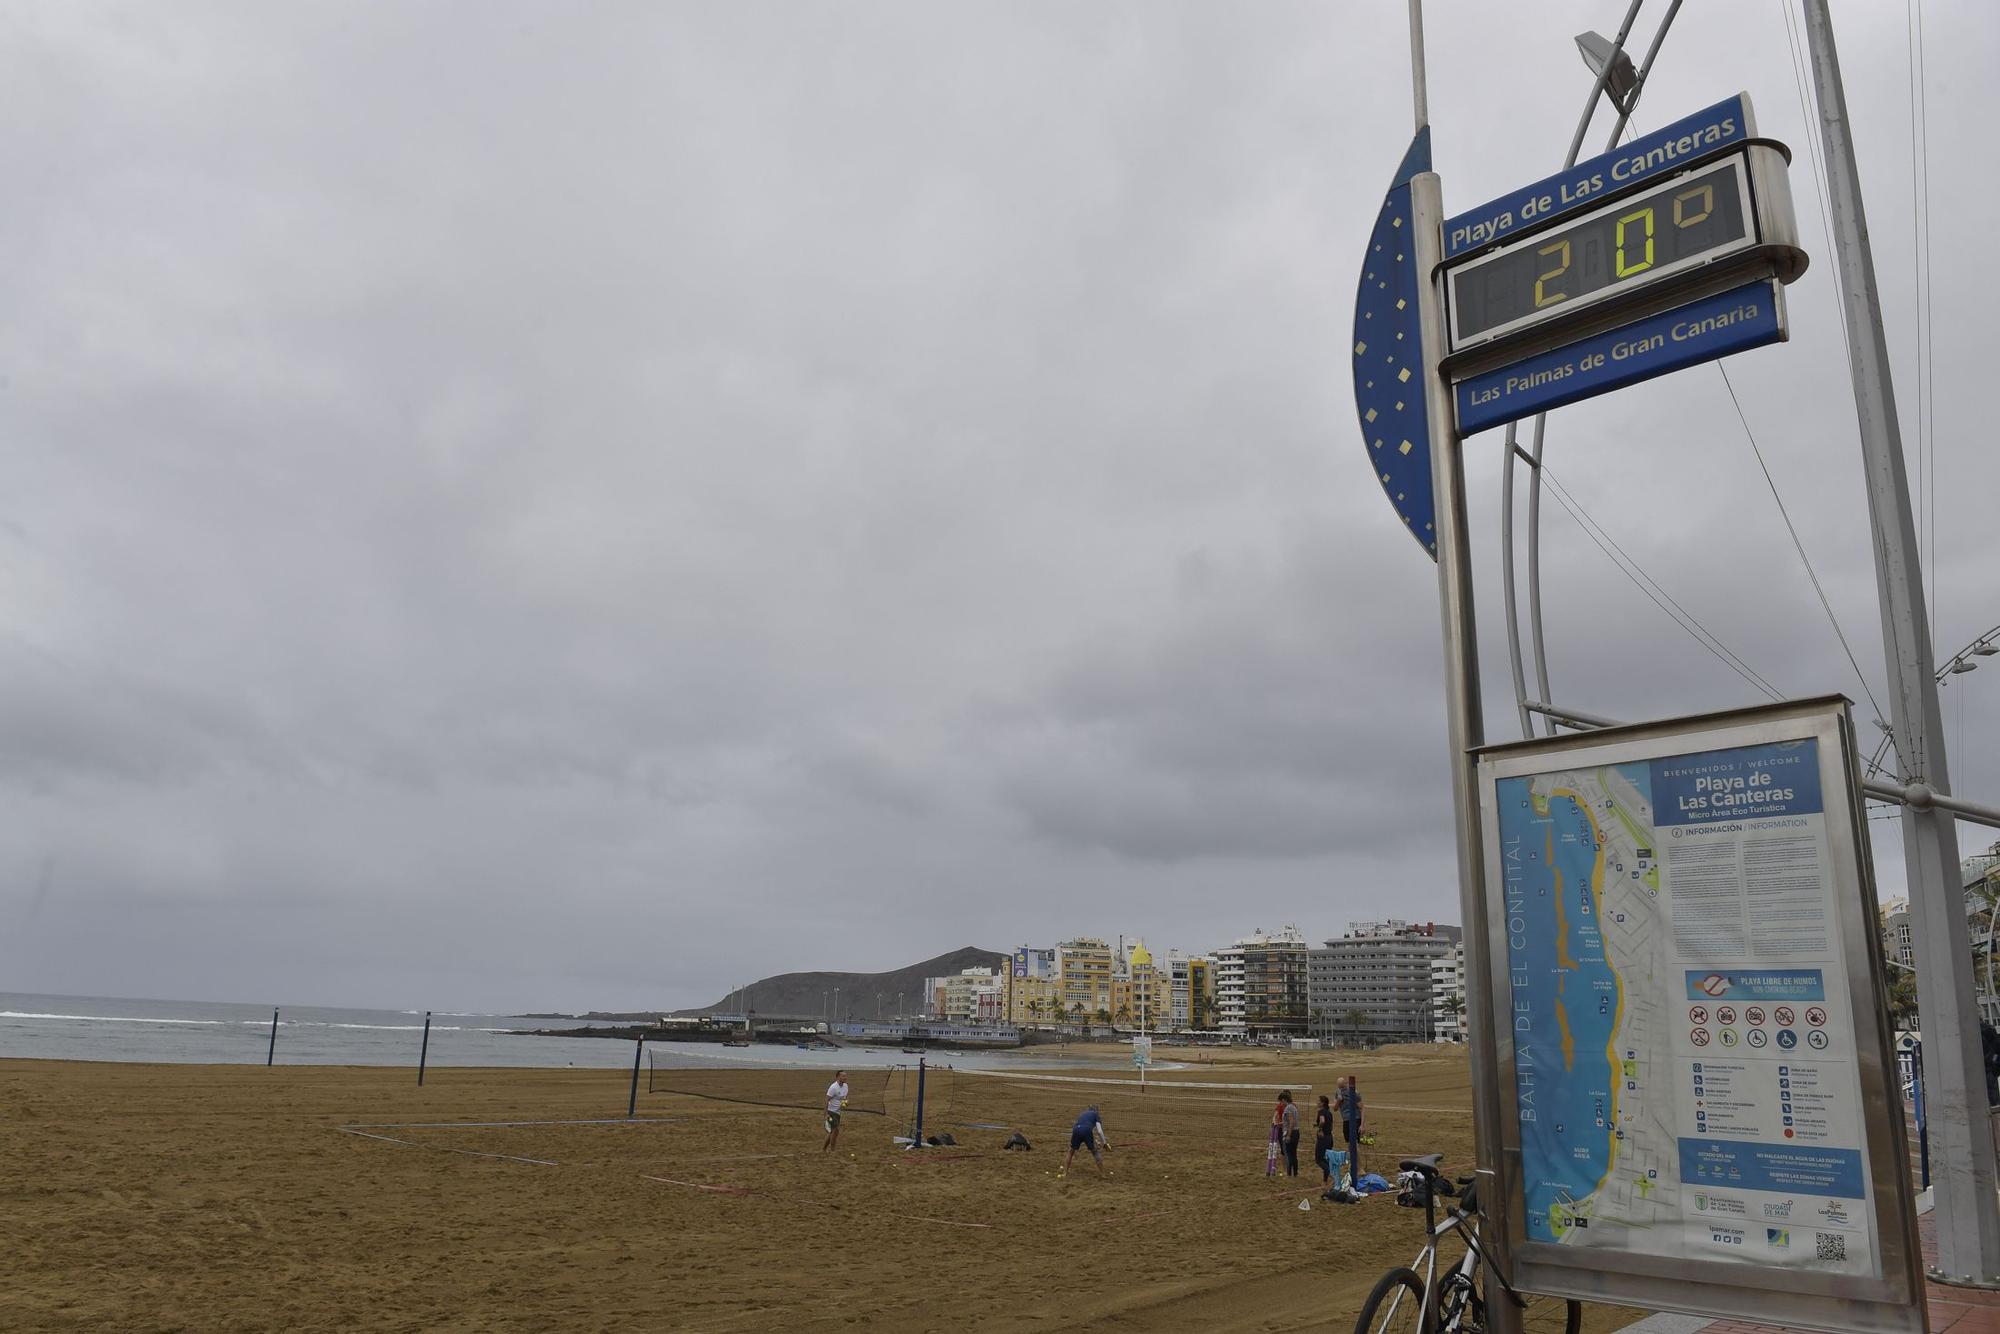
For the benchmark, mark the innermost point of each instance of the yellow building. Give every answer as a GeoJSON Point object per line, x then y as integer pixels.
{"type": "Point", "coordinates": [1034, 1001]}
{"type": "Point", "coordinates": [1199, 1002]}
{"type": "Point", "coordinates": [1083, 972]}
{"type": "Point", "coordinates": [1139, 999]}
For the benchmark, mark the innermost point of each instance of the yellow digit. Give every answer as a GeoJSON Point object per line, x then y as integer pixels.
{"type": "Point", "coordinates": [1562, 267]}
{"type": "Point", "coordinates": [1625, 270]}
{"type": "Point", "coordinates": [1707, 193]}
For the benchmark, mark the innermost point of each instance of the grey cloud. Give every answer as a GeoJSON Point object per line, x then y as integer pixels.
{"type": "Point", "coordinates": [514, 506]}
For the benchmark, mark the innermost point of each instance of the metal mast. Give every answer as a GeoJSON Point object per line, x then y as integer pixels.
{"type": "Point", "coordinates": [1968, 1216]}
{"type": "Point", "coordinates": [1463, 723]}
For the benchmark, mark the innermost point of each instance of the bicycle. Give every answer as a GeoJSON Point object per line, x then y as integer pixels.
{"type": "Point", "coordinates": [1418, 1300]}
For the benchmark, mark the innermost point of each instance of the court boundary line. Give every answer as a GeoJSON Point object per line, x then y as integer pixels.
{"type": "Point", "coordinates": [446, 1148]}
{"type": "Point", "coordinates": [500, 1125]}
{"type": "Point", "coordinates": [1121, 1083]}
{"type": "Point", "coordinates": [819, 1204]}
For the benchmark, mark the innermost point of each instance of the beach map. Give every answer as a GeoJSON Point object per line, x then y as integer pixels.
{"type": "Point", "coordinates": [1685, 1073]}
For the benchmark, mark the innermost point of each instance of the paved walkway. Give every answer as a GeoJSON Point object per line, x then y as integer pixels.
{"type": "Point", "coordinates": [1960, 1310]}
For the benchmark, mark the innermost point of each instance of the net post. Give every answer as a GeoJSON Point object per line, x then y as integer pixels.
{"type": "Point", "coordinates": [271, 1052]}
{"type": "Point", "coordinates": [638, 1051]}
{"type": "Point", "coordinates": [424, 1052]}
{"type": "Point", "coordinates": [917, 1134]}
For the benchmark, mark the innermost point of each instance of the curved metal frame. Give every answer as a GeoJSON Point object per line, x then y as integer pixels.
{"type": "Point", "coordinates": [1534, 457]}
{"type": "Point", "coordinates": [1983, 646]}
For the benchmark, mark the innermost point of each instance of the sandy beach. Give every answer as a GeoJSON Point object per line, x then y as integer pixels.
{"type": "Point", "coordinates": [157, 1197]}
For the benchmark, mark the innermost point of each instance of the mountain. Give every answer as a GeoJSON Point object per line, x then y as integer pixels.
{"type": "Point", "coordinates": [810, 995]}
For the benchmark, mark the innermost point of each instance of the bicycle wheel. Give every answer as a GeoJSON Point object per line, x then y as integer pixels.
{"type": "Point", "coordinates": [1549, 1315]}
{"type": "Point", "coordinates": [1458, 1308]}
{"type": "Point", "coordinates": [1396, 1306]}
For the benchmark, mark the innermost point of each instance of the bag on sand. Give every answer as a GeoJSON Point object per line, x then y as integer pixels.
{"type": "Point", "coordinates": [1018, 1141]}
{"type": "Point", "coordinates": [1414, 1190]}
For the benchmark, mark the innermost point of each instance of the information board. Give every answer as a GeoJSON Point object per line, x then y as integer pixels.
{"type": "Point", "coordinates": [1694, 1066]}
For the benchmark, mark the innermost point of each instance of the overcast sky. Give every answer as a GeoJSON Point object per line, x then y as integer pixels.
{"type": "Point", "coordinates": [527, 505]}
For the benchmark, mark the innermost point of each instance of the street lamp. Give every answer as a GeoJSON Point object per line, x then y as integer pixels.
{"type": "Point", "coordinates": [1596, 50]}
{"type": "Point", "coordinates": [1958, 664]}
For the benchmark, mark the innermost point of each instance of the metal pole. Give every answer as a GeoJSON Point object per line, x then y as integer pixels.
{"type": "Point", "coordinates": [632, 1104]}
{"type": "Point", "coordinates": [1639, 79]}
{"type": "Point", "coordinates": [1597, 88]}
{"type": "Point", "coordinates": [1923, 1129]}
{"type": "Point", "coordinates": [1464, 728]}
{"type": "Point", "coordinates": [1968, 1216]}
{"type": "Point", "coordinates": [1507, 582]}
{"type": "Point", "coordinates": [1420, 95]}
{"type": "Point", "coordinates": [424, 1052]}
{"type": "Point", "coordinates": [271, 1052]}
{"type": "Point", "coordinates": [917, 1135]}
{"type": "Point", "coordinates": [1535, 561]}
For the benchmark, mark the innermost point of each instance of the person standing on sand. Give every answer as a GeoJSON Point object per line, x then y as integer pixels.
{"type": "Point", "coordinates": [1288, 1132]}
{"type": "Point", "coordinates": [1350, 1121]}
{"type": "Point", "coordinates": [1087, 1133]}
{"type": "Point", "coordinates": [836, 1098]}
{"type": "Point", "coordinates": [1323, 1139]}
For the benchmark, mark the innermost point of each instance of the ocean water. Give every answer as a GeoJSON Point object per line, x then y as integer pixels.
{"type": "Point", "coordinates": [106, 1028]}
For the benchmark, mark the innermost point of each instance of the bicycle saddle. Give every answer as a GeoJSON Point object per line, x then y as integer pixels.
{"type": "Point", "coordinates": [1428, 1164]}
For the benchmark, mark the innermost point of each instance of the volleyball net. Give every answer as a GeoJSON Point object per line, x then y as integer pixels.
{"type": "Point", "coordinates": [868, 1087]}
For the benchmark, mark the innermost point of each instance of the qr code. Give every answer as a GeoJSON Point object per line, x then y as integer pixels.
{"type": "Point", "coordinates": [1831, 1245]}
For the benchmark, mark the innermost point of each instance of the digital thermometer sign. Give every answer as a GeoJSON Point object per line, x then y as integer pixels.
{"type": "Point", "coordinates": [1680, 224]}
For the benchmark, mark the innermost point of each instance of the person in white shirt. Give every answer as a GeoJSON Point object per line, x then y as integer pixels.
{"type": "Point", "coordinates": [836, 1098]}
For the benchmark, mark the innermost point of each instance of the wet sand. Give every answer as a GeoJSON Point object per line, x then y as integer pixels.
{"type": "Point", "coordinates": [156, 1197]}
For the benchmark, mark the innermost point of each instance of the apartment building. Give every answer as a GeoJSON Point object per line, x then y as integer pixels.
{"type": "Point", "coordinates": [1190, 991]}
{"type": "Point", "coordinates": [1083, 974]}
{"type": "Point", "coordinates": [974, 996]}
{"type": "Point", "coordinates": [1033, 993]}
{"type": "Point", "coordinates": [1448, 995]}
{"type": "Point", "coordinates": [1261, 985]}
{"type": "Point", "coordinates": [1373, 984]}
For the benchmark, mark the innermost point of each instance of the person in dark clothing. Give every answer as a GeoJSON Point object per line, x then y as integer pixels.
{"type": "Point", "coordinates": [1288, 1132]}
{"type": "Point", "coordinates": [1349, 1106]}
{"type": "Point", "coordinates": [1323, 1139]}
{"type": "Point", "coordinates": [1087, 1133]}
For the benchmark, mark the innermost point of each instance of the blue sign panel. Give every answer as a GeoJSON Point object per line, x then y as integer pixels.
{"type": "Point", "coordinates": [1666, 150]}
{"type": "Point", "coordinates": [1705, 330]}
{"type": "Point", "coordinates": [1389, 359]}
{"type": "Point", "coordinates": [1743, 781]}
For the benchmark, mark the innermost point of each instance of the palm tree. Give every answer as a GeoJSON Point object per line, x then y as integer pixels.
{"type": "Point", "coordinates": [1103, 1015]}
{"type": "Point", "coordinates": [1355, 1020]}
{"type": "Point", "coordinates": [1903, 998]}
{"type": "Point", "coordinates": [1124, 1014]}
{"type": "Point", "coordinates": [1076, 1014]}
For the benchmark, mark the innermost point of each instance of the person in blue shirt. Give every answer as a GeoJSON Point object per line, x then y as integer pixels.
{"type": "Point", "coordinates": [1088, 1133]}
{"type": "Point", "coordinates": [1348, 1101]}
